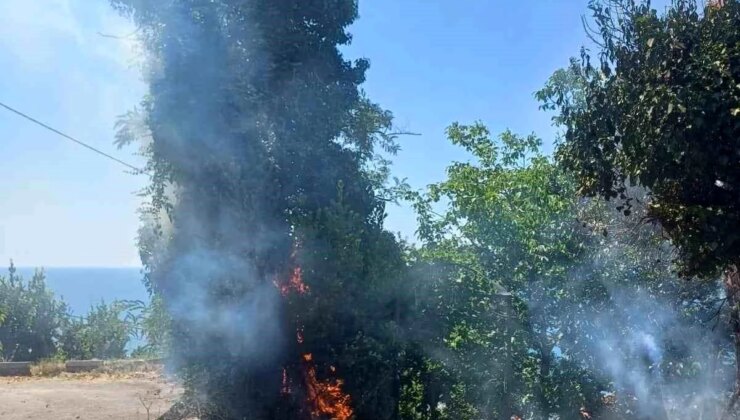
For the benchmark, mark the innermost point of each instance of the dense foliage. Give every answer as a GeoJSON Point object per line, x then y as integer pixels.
{"type": "Point", "coordinates": [32, 326]}
{"type": "Point", "coordinates": [102, 334]}
{"type": "Point", "coordinates": [661, 109]}
{"type": "Point", "coordinates": [38, 325]}
{"type": "Point", "coordinates": [533, 298]}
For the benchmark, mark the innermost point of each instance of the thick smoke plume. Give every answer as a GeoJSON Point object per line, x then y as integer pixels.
{"type": "Point", "coordinates": [212, 181]}
{"type": "Point", "coordinates": [260, 146]}
{"type": "Point", "coordinates": [654, 339]}
{"type": "Point", "coordinates": [657, 342]}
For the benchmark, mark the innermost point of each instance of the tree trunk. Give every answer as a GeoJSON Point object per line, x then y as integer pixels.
{"type": "Point", "coordinates": [732, 292]}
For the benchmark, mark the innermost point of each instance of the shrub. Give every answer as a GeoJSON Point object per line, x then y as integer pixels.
{"type": "Point", "coordinates": [33, 319]}
{"type": "Point", "coordinates": [103, 334]}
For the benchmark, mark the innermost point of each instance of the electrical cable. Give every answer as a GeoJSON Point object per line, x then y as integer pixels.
{"type": "Point", "coordinates": [70, 138]}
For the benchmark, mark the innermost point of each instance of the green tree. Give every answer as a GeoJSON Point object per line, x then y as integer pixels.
{"type": "Point", "coordinates": [506, 239]}
{"type": "Point", "coordinates": [264, 155]}
{"type": "Point", "coordinates": [661, 110]}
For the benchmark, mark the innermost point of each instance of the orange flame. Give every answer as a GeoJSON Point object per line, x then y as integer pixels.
{"type": "Point", "coordinates": [294, 284]}
{"type": "Point", "coordinates": [325, 398]}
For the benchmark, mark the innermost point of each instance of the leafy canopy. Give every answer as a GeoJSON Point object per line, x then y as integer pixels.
{"type": "Point", "coordinates": [660, 107]}
{"type": "Point", "coordinates": [520, 282]}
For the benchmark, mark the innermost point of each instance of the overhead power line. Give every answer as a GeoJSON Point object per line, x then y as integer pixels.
{"type": "Point", "coordinates": [70, 138]}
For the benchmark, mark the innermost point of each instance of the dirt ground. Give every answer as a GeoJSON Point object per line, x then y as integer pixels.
{"type": "Point", "coordinates": [74, 397]}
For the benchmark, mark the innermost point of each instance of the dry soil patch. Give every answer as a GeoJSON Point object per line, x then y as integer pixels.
{"type": "Point", "coordinates": [75, 397]}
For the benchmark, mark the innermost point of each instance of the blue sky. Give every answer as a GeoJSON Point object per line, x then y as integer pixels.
{"type": "Point", "coordinates": [436, 62]}
{"type": "Point", "coordinates": [62, 205]}
{"type": "Point", "coordinates": [433, 62]}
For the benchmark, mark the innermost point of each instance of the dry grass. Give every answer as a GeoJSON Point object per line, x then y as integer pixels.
{"type": "Point", "coordinates": [122, 369]}
{"type": "Point", "coordinates": [114, 369]}
{"type": "Point", "coordinates": [47, 368]}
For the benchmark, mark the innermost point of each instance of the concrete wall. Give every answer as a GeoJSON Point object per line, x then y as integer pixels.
{"type": "Point", "coordinates": [15, 369]}
{"type": "Point", "coordinates": [72, 366]}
